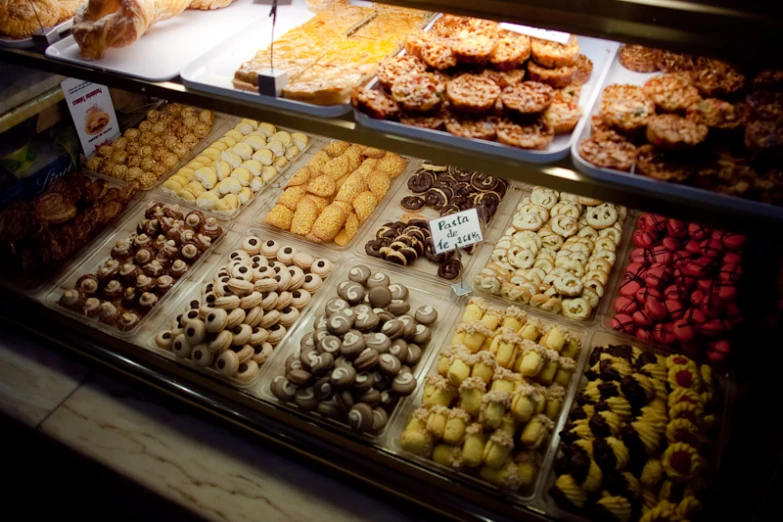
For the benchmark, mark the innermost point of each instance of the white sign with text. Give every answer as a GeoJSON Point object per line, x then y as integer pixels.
{"type": "Point", "coordinates": [93, 113]}
{"type": "Point", "coordinates": [536, 32]}
{"type": "Point", "coordinates": [458, 230]}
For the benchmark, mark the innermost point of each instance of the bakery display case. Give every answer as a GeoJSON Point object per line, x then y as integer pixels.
{"type": "Point", "coordinates": [258, 242]}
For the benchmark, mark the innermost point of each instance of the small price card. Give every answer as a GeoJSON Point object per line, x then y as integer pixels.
{"type": "Point", "coordinates": [93, 113]}
{"type": "Point", "coordinates": [458, 230]}
{"type": "Point", "coordinates": [536, 32]}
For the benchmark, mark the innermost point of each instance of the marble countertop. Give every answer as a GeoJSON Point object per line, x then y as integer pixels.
{"type": "Point", "coordinates": [216, 474]}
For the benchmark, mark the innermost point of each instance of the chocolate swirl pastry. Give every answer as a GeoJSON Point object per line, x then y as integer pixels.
{"type": "Point", "coordinates": [435, 198]}
{"type": "Point", "coordinates": [421, 181]}
{"type": "Point", "coordinates": [451, 208]}
{"type": "Point", "coordinates": [460, 174]}
{"type": "Point", "coordinates": [450, 269]}
{"type": "Point", "coordinates": [429, 252]}
{"type": "Point", "coordinates": [412, 203]}
{"type": "Point", "coordinates": [375, 247]}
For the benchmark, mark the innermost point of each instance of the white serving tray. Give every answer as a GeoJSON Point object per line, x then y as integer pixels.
{"type": "Point", "coordinates": [600, 52]}
{"type": "Point", "coordinates": [619, 74]}
{"type": "Point", "coordinates": [23, 43]}
{"type": "Point", "coordinates": [213, 71]}
{"type": "Point", "coordinates": [161, 52]}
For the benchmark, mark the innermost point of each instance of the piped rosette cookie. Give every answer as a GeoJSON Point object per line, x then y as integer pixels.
{"type": "Point", "coordinates": [494, 396]}
{"type": "Point", "coordinates": [556, 255]}
{"type": "Point", "coordinates": [638, 442]}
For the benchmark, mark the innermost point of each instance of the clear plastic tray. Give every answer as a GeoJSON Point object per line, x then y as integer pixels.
{"type": "Point", "coordinates": [230, 124]}
{"type": "Point", "coordinates": [195, 288]}
{"type": "Point", "coordinates": [484, 253]}
{"type": "Point", "coordinates": [420, 294]}
{"type": "Point", "coordinates": [272, 197]}
{"type": "Point", "coordinates": [392, 211]}
{"type": "Point", "coordinates": [600, 52]}
{"type": "Point", "coordinates": [88, 263]}
{"type": "Point", "coordinates": [619, 74]}
{"type": "Point", "coordinates": [724, 401]}
{"type": "Point", "coordinates": [524, 497]}
{"type": "Point", "coordinates": [108, 229]}
{"type": "Point", "coordinates": [218, 128]}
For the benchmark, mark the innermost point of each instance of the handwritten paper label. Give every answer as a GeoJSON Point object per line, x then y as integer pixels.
{"type": "Point", "coordinates": [537, 32]}
{"type": "Point", "coordinates": [92, 112]}
{"type": "Point", "coordinates": [458, 230]}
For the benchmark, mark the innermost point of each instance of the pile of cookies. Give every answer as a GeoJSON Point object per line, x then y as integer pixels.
{"type": "Point", "coordinates": [498, 391]}
{"type": "Point", "coordinates": [466, 76]}
{"type": "Point", "coordinates": [638, 442]}
{"type": "Point", "coordinates": [693, 124]}
{"type": "Point", "coordinates": [246, 309]}
{"type": "Point", "coordinates": [337, 191]}
{"type": "Point", "coordinates": [358, 360]}
{"type": "Point", "coordinates": [227, 174]}
{"type": "Point", "coordinates": [146, 153]}
{"type": "Point", "coordinates": [680, 287]}
{"type": "Point", "coordinates": [143, 267]}
{"type": "Point", "coordinates": [557, 254]}
{"type": "Point", "coordinates": [445, 190]}
{"type": "Point", "coordinates": [37, 237]}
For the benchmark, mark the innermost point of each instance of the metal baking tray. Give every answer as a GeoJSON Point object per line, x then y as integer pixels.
{"type": "Point", "coordinates": [619, 74]}
{"type": "Point", "coordinates": [600, 52]}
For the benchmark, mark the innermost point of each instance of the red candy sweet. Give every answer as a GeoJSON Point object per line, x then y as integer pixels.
{"type": "Point", "coordinates": [680, 286]}
{"type": "Point", "coordinates": [676, 228]}
{"type": "Point", "coordinates": [630, 287]}
{"type": "Point", "coordinates": [645, 293]}
{"type": "Point", "coordinates": [625, 305]}
{"type": "Point", "coordinates": [655, 309]}
{"type": "Point", "coordinates": [683, 330]}
{"type": "Point", "coordinates": [733, 241]}
{"type": "Point", "coordinates": [643, 238]}
{"type": "Point", "coordinates": [717, 351]}
{"type": "Point", "coordinates": [674, 308]}
{"type": "Point", "coordinates": [711, 247]}
{"type": "Point", "coordinates": [670, 244]}
{"type": "Point", "coordinates": [623, 323]}
{"type": "Point", "coordinates": [697, 231]}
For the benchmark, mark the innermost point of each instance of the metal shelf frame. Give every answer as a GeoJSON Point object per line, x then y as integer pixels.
{"type": "Point", "coordinates": [560, 175]}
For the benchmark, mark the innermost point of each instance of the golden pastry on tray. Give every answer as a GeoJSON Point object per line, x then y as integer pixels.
{"type": "Point", "coordinates": [21, 18]}
{"type": "Point", "coordinates": [103, 24]}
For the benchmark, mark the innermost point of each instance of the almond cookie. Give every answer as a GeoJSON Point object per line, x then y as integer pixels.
{"type": "Point", "coordinates": [608, 150]}
{"type": "Point", "coordinates": [557, 78]}
{"type": "Point", "coordinates": [562, 116]}
{"type": "Point", "coordinates": [396, 67]}
{"type": "Point", "coordinates": [437, 54]}
{"type": "Point", "coordinates": [626, 108]}
{"type": "Point", "coordinates": [654, 164]}
{"type": "Point", "coordinates": [527, 97]}
{"type": "Point", "coordinates": [375, 103]}
{"type": "Point", "coordinates": [364, 204]}
{"type": "Point", "coordinates": [354, 185]}
{"type": "Point", "coordinates": [474, 47]}
{"type": "Point", "coordinates": [472, 93]}
{"type": "Point", "coordinates": [392, 164]}
{"type": "Point", "coordinates": [535, 136]}
{"type": "Point", "coordinates": [504, 78]}
{"type": "Point", "coordinates": [672, 92]}
{"type": "Point", "coordinates": [291, 196]}
{"type": "Point", "coordinates": [304, 217]}
{"type": "Point", "coordinates": [379, 183]}
{"type": "Point", "coordinates": [421, 93]}
{"type": "Point", "coordinates": [669, 131]}
{"type": "Point", "coordinates": [280, 217]}
{"type": "Point", "coordinates": [716, 78]}
{"type": "Point", "coordinates": [337, 167]}
{"type": "Point", "coordinates": [584, 69]}
{"type": "Point", "coordinates": [670, 62]}
{"type": "Point", "coordinates": [476, 128]}
{"type": "Point", "coordinates": [511, 51]}
{"type": "Point", "coordinates": [638, 58]}
{"type": "Point", "coordinates": [718, 114]}
{"type": "Point", "coordinates": [553, 54]}
{"type": "Point", "coordinates": [329, 223]}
